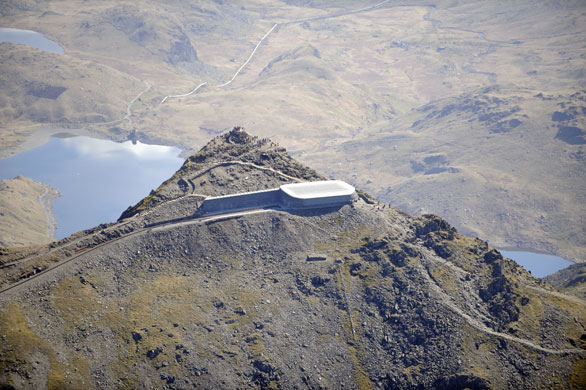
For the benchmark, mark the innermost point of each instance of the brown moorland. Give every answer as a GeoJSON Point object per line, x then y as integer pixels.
{"type": "Point", "coordinates": [339, 88]}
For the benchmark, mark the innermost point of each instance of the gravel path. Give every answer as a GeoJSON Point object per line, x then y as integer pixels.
{"type": "Point", "coordinates": [275, 25]}
{"type": "Point", "coordinates": [476, 323]}
{"type": "Point", "coordinates": [46, 200]}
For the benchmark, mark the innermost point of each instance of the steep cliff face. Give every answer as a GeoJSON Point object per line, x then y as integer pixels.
{"type": "Point", "coordinates": [359, 296]}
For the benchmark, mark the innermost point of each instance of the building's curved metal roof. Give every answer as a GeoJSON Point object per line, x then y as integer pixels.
{"type": "Point", "coordinates": [318, 189]}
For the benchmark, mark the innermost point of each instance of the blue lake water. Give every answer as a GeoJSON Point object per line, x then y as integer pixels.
{"type": "Point", "coordinates": [30, 38]}
{"type": "Point", "coordinates": [98, 179]}
{"type": "Point", "coordinates": [539, 264]}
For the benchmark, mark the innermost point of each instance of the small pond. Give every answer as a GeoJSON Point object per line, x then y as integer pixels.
{"type": "Point", "coordinates": [539, 264]}
{"type": "Point", "coordinates": [30, 38]}
{"type": "Point", "coordinates": [98, 179]}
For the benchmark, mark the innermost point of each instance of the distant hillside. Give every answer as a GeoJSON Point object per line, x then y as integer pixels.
{"type": "Point", "coordinates": [40, 87]}
{"type": "Point", "coordinates": [338, 76]}
{"type": "Point", "coordinates": [506, 164]}
{"type": "Point", "coordinates": [26, 217]}
{"type": "Point", "coordinates": [571, 280]}
{"type": "Point", "coordinates": [357, 296]}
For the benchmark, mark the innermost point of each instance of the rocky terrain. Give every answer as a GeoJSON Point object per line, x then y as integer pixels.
{"type": "Point", "coordinates": [571, 280]}
{"type": "Point", "coordinates": [360, 296]}
{"type": "Point", "coordinates": [26, 217]}
{"type": "Point", "coordinates": [431, 165]}
{"type": "Point", "coordinates": [40, 87]}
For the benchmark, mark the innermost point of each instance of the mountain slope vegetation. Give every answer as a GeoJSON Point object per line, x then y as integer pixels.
{"type": "Point", "coordinates": [167, 299]}
{"type": "Point", "coordinates": [333, 77]}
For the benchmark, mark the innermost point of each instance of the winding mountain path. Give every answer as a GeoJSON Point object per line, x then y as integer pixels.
{"type": "Point", "coordinates": [185, 94]}
{"type": "Point", "coordinates": [47, 273]}
{"type": "Point", "coordinates": [475, 320]}
{"type": "Point", "coordinates": [275, 25]}
{"type": "Point", "coordinates": [445, 298]}
{"type": "Point", "coordinates": [249, 57]}
{"type": "Point", "coordinates": [165, 225]}
{"type": "Point", "coordinates": [558, 294]}
{"type": "Point", "coordinates": [247, 164]}
{"type": "Point", "coordinates": [128, 116]}
{"type": "Point", "coordinates": [449, 302]}
{"type": "Point", "coordinates": [46, 201]}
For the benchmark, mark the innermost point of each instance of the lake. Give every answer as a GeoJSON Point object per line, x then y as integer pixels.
{"type": "Point", "coordinates": [539, 264]}
{"type": "Point", "coordinates": [98, 179]}
{"type": "Point", "coordinates": [30, 38]}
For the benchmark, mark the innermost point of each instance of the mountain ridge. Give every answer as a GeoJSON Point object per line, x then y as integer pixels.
{"type": "Point", "coordinates": [169, 299]}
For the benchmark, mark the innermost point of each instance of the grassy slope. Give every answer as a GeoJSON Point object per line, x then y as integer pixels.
{"type": "Point", "coordinates": [40, 87]}
{"type": "Point", "coordinates": [23, 220]}
{"type": "Point", "coordinates": [571, 280]}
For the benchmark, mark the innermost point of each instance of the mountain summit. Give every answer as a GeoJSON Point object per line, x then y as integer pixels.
{"type": "Point", "coordinates": [358, 295]}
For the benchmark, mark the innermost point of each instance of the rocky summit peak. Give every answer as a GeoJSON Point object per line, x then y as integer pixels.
{"type": "Point", "coordinates": [237, 136]}
{"type": "Point", "coordinates": [230, 163]}
{"type": "Point", "coordinates": [237, 144]}
{"type": "Point", "coordinates": [358, 295]}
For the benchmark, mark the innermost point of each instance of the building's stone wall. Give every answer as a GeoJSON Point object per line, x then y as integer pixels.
{"type": "Point", "coordinates": [270, 198]}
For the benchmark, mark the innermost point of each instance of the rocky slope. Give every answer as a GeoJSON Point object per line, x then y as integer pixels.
{"type": "Point", "coordinates": [166, 299]}
{"type": "Point", "coordinates": [571, 280]}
